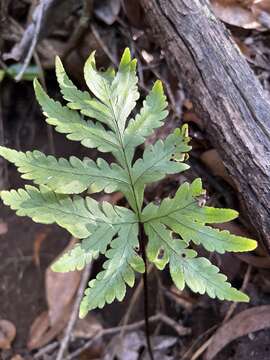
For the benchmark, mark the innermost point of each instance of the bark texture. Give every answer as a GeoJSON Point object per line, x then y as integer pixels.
{"type": "Point", "coordinates": [226, 94]}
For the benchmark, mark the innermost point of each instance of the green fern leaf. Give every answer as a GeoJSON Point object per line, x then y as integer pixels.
{"type": "Point", "coordinates": [183, 215]}
{"type": "Point", "coordinates": [67, 177]}
{"type": "Point", "coordinates": [185, 268]}
{"type": "Point", "coordinates": [77, 215]}
{"type": "Point", "coordinates": [158, 160]}
{"type": "Point", "coordinates": [67, 121]}
{"type": "Point", "coordinates": [119, 271]}
{"type": "Point", "coordinates": [118, 95]}
{"type": "Point", "coordinates": [151, 116]}
{"type": "Point", "coordinates": [102, 233]}
{"type": "Point", "coordinates": [81, 100]}
{"type": "Point", "coordinates": [46, 207]}
{"type": "Point", "coordinates": [77, 99]}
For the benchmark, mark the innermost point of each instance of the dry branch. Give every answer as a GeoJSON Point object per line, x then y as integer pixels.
{"type": "Point", "coordinates": [226, 94]}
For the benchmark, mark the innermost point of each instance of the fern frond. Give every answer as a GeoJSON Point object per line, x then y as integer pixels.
{"type": "Point", "coordinates": [184, 216]}
{"type": "Point", "coordinates": [158, 159]}
{"type": "Point", "coordinates": [118, 95]}
{"type": "Point", "coordinates": [69, 122]}
{"type": "Point", "coordinates": [119, 270]}
{"type": "Point", "coordinates": [77, 99]}
{"type": "Point", "coordinates": [81, 100]}
{"type": "Point", "coordinates": [87, 250]}
{"type": "Point", "coordinates": [110, 220]}
{"type": "Point", "coordinates": [77, 215]}
{"type": "Point", "coordinates": [185, 268]}
{"type": "Point", "coordinates": [150, 117]}
{"type": "Point", "coordinates": [67, 177]}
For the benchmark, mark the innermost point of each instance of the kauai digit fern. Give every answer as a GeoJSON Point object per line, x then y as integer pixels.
{"type": "Point", "coordinates": [99, 119]}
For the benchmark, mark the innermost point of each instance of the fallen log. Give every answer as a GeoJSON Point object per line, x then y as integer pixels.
{"type": "Point", "coordinates": [226, 94]}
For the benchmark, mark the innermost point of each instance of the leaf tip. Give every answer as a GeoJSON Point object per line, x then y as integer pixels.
{"type": "Point", "coordinates": [251, 244]}
{"type": "Point", "coordinates": [126, 57]}
{"type": "Point", "coordinates": [58, 64]}
{"type": "Point", "coordinates": [158, 86]}
{"type": "Point", "coordinates": [83, 310]}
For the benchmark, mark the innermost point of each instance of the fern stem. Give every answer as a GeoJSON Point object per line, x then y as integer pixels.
{"type": "Point", "coordinates": [145, 291]}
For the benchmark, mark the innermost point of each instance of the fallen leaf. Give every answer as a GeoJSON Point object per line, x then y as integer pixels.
{"type": "Point", "coordinates": [235, 13]}
{"type": "Point", "coordinates": [46, 337]}
{"type": "Point", "coordinates": [60, 290]}
{"type": "Point", "coordinates": [129, 346]}
{"type": "Point", "coordinates": [126, 347]}
{"type": "Point", "coordinates": [7, 334]}
{"type": "Point", "coordinates": [247, 321]}
{"type": "Point", "coordinates": [38, 329]}
{"type": "Point", "coordinates": [261, 10]}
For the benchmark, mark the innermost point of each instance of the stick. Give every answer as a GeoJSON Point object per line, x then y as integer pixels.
{"type": "Point", "coordinates": [33, 43]}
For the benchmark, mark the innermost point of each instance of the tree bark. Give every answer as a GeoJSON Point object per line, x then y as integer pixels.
{"type": "Point", "coordinates": [226, 94]}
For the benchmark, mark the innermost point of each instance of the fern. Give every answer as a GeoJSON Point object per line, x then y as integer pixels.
{"type": "Point", "coordinates": [101, 121]}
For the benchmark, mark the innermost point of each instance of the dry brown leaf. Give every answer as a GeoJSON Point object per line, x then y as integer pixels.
{"type": "Point", "coordinates": [247, 321]}
{"type": "Point", "coordinates": [52, 332]}
{"type": "Point", "coordinates": [60, 290]}
{"type": "Point", "coordinates": [261, 10]}
{"type": "Point", "coordinates": [235, 13]}
{"type": "Point", "coordinates": [38, 329]}
{"type": "Point", "coordinates": [7, 334]}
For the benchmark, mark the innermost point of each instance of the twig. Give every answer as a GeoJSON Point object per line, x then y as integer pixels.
{"type": "Point", "coordinates": [24, 44]}
{"type": "Point", "coordinates": [201, 349]}
{"type": "Point", "coordinates": [46, 349]}
{"type": "Point", "coordinates": [75, 310]}
{"type": "Point", "coordinates": [33, 43]}
{"type": "Point", "coordinates": [131, 327]}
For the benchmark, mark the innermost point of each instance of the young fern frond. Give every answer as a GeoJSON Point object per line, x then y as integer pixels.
{"type": "Point", "coordinates": [100, 120]}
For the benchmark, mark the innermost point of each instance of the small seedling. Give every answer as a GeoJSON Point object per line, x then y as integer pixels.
{"type": "Point", "coordinates": [127, 236]}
